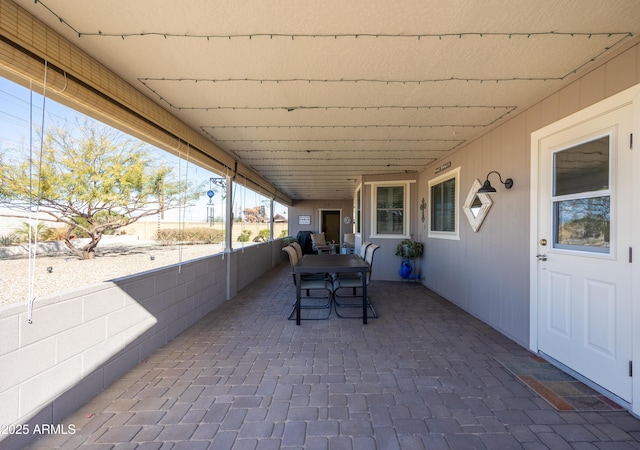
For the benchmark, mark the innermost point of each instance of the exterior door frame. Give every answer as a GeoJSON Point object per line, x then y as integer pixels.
{"type": "Point", "coordinates": [628, 96]}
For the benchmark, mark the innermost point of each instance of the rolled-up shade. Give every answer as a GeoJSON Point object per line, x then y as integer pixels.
{"type": "Point", "coordinates": [31, 53]}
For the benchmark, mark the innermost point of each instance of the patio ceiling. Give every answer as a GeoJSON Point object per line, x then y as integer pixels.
{"type": "Point", "coordinates": [313, 94]}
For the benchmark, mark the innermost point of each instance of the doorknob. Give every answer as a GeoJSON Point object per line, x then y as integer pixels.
{"type": "Point", "coordinates": [541, 257]}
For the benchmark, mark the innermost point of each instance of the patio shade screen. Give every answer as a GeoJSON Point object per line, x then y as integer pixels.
{"type": "Point", "coordinates": [30, 52]}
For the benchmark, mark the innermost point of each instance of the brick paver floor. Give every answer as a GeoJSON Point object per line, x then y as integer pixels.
{"type": "Point", "coordinates": [422, 376]}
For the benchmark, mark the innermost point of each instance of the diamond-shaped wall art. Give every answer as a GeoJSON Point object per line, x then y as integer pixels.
{"type": "Point", "coordinates": [477, 206]}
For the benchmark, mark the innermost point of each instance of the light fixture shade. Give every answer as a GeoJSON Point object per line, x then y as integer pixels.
{"type": "Point", "coordinates": [486, 187]}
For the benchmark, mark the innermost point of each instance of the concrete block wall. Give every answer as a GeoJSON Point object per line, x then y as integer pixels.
{"type": "Point", "coordinates": [82, 340]}
{"type": "Point", "coordinates": [255, 260]}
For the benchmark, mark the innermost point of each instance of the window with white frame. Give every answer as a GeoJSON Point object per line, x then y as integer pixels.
{"type": "Point", "coordinates": [391, 211]}
{"type": "Point", "coordinates": [443, 211]}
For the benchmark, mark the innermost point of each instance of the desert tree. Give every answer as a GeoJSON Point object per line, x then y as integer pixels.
{"type": "Point", "coordinates": [92, 178]}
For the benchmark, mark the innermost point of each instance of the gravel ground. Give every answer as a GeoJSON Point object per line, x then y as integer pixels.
{"type": "Point", "coordinates": [67, 271]}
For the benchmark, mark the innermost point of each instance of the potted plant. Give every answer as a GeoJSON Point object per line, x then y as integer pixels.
{"type": "Point", "coordinates": [408, 248]}
{"type": "Point", "coordinates": [288, 240]}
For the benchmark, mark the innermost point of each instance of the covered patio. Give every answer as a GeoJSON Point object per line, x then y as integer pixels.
{"type": "Point", "coordinates": [368, 118]}
{"type": "Point", "coordinates": [425, 374]}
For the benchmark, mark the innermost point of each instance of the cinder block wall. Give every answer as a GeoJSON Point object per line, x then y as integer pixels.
{"type": "Point", "coordinates": [83, 340]}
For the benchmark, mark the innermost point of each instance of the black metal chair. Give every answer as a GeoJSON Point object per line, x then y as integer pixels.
{"type": "Point", "coordinates": [363, 254]}
{"type": "Point", "coordinates": [308, 283]}
{"type": "Point", "coordinates": [354, 283]}
{"type": "Point", "coordinates": [314, 276]}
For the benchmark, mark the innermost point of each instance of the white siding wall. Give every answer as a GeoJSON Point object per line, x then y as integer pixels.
{"type": "Point", "coordinates": [487, 273]}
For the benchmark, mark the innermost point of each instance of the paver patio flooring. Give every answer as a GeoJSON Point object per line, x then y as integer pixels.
{"type": "Point", "coordinates": [422, 376]}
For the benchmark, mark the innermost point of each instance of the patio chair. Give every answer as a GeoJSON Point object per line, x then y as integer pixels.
{"type": "Point", "coordinates": [319, 243]}
{"type": "Point", "coordinates": [348, 242]}
{"type": "Point", "coordinates": [314, 276]}
{"type": "Point", "coordinates": [354, 283]}
{"type": "Point", "coordinates": [298, 248]}
{"type": "Point", "coordinates": [310, 283]}
{"type": "Point", "coordinates": [363, 249]}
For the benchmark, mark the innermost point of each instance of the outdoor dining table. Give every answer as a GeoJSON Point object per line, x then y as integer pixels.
{"type": "Point", "coordinates": [334, 264]}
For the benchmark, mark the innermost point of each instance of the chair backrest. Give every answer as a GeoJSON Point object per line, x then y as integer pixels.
{"type": "Point", "coordinates": [371, 250]}
{"type": "Point", "coordinates": [349, 240]}
{"type": "Point", "coordinates": [293, 258]}
{"type": "Point", "coordinates": [298, 249]}
{"type": "Point", "coordinates": [363, 249]}
{"type": "Point", "coordinates": [292, 253]}
{"type": "Point", "coordinates": [318, 239]}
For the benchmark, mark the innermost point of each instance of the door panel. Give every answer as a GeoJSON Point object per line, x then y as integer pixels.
{"type": "Point", "coordinates": [601, 317]}
{"type": "Point", "coordinates": [583, 274]}
{"type": "Point", "coordinates": [560, 304]}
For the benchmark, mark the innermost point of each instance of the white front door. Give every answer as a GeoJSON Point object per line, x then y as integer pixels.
{"type": "Point", "coordinates": [584, 308]}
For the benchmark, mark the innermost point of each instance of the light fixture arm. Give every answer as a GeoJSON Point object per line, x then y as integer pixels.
{"type": "Point", "coordinates": [508, 183]}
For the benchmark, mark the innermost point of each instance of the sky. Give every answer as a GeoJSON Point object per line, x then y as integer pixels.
{"type": "Point", "coordinates": [17, 116]}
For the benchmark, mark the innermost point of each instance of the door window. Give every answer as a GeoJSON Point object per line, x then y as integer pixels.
{"type": "Point", "coordinates": [582, 197]}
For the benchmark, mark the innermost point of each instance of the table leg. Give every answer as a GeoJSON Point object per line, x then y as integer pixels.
{"type": "Point", "coordinates": [364, 298]}
{"type": "Point", "coordinates": [298, 294]}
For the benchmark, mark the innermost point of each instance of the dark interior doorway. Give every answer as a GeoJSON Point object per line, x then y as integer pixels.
{"type": "Point", "coordinates": [330, 225]}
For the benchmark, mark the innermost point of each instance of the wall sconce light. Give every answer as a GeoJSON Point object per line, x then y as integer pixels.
{"type": "Point", "coordinates": [486, 187]}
